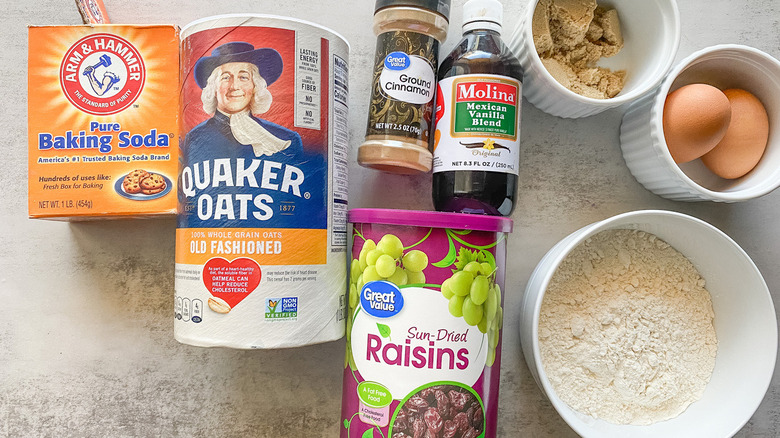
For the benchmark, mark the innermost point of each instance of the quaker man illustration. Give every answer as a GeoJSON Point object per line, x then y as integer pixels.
{"type": "Point", "coordinates": [234, 80]}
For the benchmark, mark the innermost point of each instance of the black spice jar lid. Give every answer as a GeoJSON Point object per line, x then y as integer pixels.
{"type": "Point", "coordinates": [442, 7]}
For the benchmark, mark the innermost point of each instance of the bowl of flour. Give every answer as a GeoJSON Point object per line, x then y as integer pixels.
{"type": "Point", "coordinates": [650, 323]}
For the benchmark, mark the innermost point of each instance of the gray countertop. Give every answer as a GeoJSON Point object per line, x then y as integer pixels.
{"type": "Point", "coordinates": [86, 326]}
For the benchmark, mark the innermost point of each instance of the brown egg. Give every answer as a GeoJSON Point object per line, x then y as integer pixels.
{"type": "Point", "coordinates": [745, 141]}
{"type": "Point", "coordinates": [695, 119]}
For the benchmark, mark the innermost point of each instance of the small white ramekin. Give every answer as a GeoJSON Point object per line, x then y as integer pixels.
{"type": "Point", "coordinates": [651, 32]}
{"type": "Point", "coordinates": [642, 136]}
{"type": "Point", "coordinates": [745, 324]}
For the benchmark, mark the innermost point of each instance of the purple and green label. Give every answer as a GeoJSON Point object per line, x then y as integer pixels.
{"type": "Point", "coordinates": [423, 336]}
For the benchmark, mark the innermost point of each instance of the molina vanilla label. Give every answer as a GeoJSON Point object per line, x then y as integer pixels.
{"type": "Point", "coordinates": [477, 124]}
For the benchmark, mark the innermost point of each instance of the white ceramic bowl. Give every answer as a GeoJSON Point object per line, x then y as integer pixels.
{"type": "Point", "coordinates": [642, 136]}
{"type": "Point", "coordinates": [745, 324]}
{"type": "Point", "coordinates": [651, 33]}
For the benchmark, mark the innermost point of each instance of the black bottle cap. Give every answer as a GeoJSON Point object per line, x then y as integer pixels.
{"type": "Point", "coordinates": [442, 7]}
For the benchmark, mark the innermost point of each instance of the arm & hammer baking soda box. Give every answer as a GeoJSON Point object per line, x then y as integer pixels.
{"type": "Point", "coordinates": [102, 121]}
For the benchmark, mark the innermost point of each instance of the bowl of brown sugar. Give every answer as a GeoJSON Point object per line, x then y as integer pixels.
{"type": "Point", "coordinates": [582, 57]}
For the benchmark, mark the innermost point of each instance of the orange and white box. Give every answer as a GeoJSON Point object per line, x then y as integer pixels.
{"type": "Point", "coordinates": [103, 121]}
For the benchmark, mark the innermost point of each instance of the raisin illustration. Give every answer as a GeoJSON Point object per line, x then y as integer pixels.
{"type": "Point", "coordinates": [462, 420]}
{"type": "Point", "coordinates": [441, 411]}
{"type": "Point", "coordinates": [442, 402]}
{"type": "Point", "coordinates": [401, 422]}
{"type": "Point", "coordinates": [458, 399]}
{"type": "Point", "coordinates": [449, 430]}
{"type": "Point", "coordinates": [433, 419]}
{"type": "Point", "coordinates": [471, 433]}
{"type": "Point", "coordinates": [417, 404]}
{"type": "Point", "coordinates": [419, 428]}
{"type": "Point", "coordinates": [476, 420]}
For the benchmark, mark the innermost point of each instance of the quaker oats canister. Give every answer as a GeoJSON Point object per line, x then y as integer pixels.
{"type": "Point", "coordinates": [262, 212]}
{"type": "Point", "coordinates": [425, 323]}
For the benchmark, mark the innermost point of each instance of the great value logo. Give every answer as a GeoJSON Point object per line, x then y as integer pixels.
{"type": "Point", "coordinates": [381, 299]}
{"type": "Point", "coordinates": [397, 61]}
{"type": "Point", "coordinates": [102, 74]}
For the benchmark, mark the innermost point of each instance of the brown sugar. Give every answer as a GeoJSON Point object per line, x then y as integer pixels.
{"type": "Point", "coordinates": [571, 36]}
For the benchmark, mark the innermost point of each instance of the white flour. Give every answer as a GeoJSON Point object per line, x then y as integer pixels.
{"type": "Point", "coordinates": [626, 329]}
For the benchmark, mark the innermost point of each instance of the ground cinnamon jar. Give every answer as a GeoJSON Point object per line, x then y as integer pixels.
{"type": "Point", "coordinates": [404, 86]}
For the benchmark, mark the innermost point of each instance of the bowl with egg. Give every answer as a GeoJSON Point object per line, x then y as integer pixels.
{"type": "Point", "coordinates": [711, 132]}
{"type": "Point", "coordinates": [650, 323]}
{"type": "Point", "coordinates": [582, 57]}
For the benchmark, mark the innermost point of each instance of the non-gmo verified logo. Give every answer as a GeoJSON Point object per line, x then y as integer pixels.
{"type": "Point", "coordinates": [102, 74]}
{"type": "Point", "coordinates": [281, 308]}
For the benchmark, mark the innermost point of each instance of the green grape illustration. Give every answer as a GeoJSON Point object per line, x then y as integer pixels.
{"type": "Point", "coordinates": [471, 291]}
{"type": "Point", "coordinates": [386, 260]}
{"type": "Point", "coordinates": [474, 295]}
{"type": "Point", "coordinates": [383, 260]}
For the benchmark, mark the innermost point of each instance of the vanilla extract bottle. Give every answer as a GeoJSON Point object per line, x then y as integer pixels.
{"type": "Point", "coordinates": [476, 143]}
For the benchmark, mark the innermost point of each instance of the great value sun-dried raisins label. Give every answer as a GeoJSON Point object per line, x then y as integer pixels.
{"type": "Point", "coordinates": [423, 337]}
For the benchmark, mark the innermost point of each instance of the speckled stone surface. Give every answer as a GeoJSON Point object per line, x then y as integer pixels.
{"type": "Point", "coordinates": [86, 323]}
